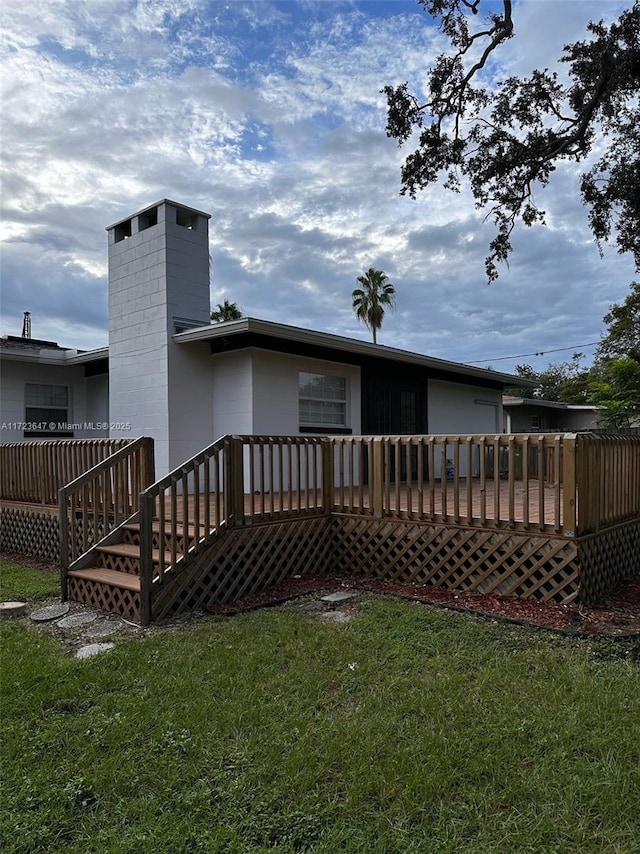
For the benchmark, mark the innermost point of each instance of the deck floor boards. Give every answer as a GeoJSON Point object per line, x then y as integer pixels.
{"type": "Point", "coordinates": [268, 505]}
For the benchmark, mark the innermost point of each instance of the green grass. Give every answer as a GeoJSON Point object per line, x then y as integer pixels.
{"type": "Point", "coordinates": [21, 583]}
{"type": "Point", "coordinates": [405, 730]}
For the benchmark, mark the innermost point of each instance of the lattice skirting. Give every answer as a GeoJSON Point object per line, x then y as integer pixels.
{"type": "Point", "coordinates": [468, 559]}
{"type": "Point", "coordinates": [119, 563]}
{"type": "Point", "coordinates": [245, 561]}
{"type": "Point", "coordinates": [30, 532]}
{"type": "Point", "coordinates": [608, 558]}
{"type": "Point", "coordinates": [104, 597]}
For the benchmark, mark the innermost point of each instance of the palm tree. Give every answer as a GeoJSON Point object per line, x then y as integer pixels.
{"type": "Point", "coordinates": [226, 311]}
{"type": "Point", "coordinates": [370, 300]}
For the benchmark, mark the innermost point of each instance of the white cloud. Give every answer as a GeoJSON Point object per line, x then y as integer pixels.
{"type": "Point", "coordinates": [270, 117]}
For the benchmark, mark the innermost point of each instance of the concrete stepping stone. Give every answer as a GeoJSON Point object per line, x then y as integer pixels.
{"type": "Point", "coordinates": [103, 630]}
{"type": "Point", "coordinates": [51, 612]}
{"type": "Point", "coordinates": [12, 609]}
{"type": "Point", "coordinates": [336, 616]}
{"type": "Point", "coordinates": [312, 605]}
{"type": "Point", "coordinates": [92, 649]}
{"type": "Point", "coordinates": [75, 620]}
{"type": "Point", "coordinates": [334, 598]}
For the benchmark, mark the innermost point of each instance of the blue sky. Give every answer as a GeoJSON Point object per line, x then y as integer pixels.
{"type": "Point", "coordinates": [268, 115]}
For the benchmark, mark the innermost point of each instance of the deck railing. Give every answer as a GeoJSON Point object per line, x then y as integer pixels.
{"type": "Point", "coordinates": [34, 471]}
{"type": "Point", "coordinates": [608, 474]}
{"type": "Point", "coordinates": [98, 501]}
{"type": "Point", "coordinates": [505, 481]}
{"type": "Point", "coordinates": [235, 481]}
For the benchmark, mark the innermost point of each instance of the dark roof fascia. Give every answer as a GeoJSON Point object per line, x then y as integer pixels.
{"type": "Point", "coordinates": [250, 332]}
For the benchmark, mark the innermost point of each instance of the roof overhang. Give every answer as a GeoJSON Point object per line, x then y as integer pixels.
{"type": "Point", "coordinates": [236, 332]}
{"type": "Point", "coordinates": [52, 356]}
{"type": "Point", "coordinates": [544, 404]}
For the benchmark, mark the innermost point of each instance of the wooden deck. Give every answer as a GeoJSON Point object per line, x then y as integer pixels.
{"type": "Point", "coordinates": [549, 516]}
{"type": "Point", "coordinates": [539, 505]}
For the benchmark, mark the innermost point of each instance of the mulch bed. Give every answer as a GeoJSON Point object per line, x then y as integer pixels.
{"type": "Point", "coordinates": [617, 616]}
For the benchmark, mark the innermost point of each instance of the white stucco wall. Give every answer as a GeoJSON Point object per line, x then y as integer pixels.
{"type": "Point", "coordinates": [276, 391]}
{"type": "Point", "coordinates": [97, 392]}
{"type": "Point", "coordinates": [232, 407]}
{"type": "Point", "coordinates": [191, 390]}
{"type": "Point", "coordinates": [457, 408]}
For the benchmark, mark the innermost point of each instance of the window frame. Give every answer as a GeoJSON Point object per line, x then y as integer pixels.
{"type": "Point", "coordinates": [310, 426]}
{"type": "Point", "coordinates": [44, 411]}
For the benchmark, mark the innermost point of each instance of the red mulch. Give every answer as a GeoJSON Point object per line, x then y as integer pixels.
{"type": "Point", "coordinates": [618, 616]}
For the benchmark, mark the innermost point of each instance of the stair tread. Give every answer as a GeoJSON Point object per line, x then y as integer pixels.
{"type": "Point", "coordinates": [155, 527]}
{"type": "Point", "coordinates": [101, 575]}
{"type": "Point", "coordinates": [133, 551]}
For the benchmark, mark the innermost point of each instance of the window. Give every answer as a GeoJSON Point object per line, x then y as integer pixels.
{"type": "Point", "coordinates": [148, 219]}
{"type": "Point", "coordinates": [535, 423]}
{"type": "Point", "coordinates": [46, 410]}
{"type": "Point", "coordinates": [187, 219]}
{"type": "Point", "coordinates": [323, 400]}
{"type": "Point", "coordinates": [122, 231]}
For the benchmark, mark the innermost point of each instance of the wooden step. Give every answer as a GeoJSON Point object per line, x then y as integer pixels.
{"type": "Point", "coordinates": [155, 527]}
{"type": "Point", "coordinates": [129, 550]}
{"type": "Point", "coordinates": [101, 575]}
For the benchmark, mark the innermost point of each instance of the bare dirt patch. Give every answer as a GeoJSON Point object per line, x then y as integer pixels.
{"type": "Point", "coordinates": [617, 616]}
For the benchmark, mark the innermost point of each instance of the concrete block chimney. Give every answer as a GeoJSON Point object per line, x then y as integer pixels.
{"type": "Point", "coordinates": [159, 285]}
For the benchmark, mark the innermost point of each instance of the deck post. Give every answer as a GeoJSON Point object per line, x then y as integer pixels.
{"type": "Point", "coordinates": [63, 524]}
{"type": "Point", "coordinates": [148, 463]}
{"type": "Point", "coordinates": [327, 446]}
{"type": "Point", "coordinates": [376, 477]}
{"type": "Point", "coordinates": [234, 482]}
{"type": "Point", "coordinates": [569, 519]}
{"type": "Point", "coordinates": [147, 501]}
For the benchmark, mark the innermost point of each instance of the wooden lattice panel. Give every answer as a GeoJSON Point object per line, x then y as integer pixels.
{"type": "Point", "coordinates": [245, 561]}
{"type": "Point", "coordinates": [78, 543]}
{"type": "Point", "coordinates": [607, 558]}
{"type": "Point", "coordinates": [459, 558]}
{"type": "Point", "coordinates": [104, 597]}
{"type": "Point", "coordinates": [30, 532]}
{"type": "Point", "coordinates": [118, 563]}
{"type": "Point", "coordinates": [132, 535]}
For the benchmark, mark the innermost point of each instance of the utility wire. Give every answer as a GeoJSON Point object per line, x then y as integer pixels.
{"type": "Point", "coordinates": [539, 353]}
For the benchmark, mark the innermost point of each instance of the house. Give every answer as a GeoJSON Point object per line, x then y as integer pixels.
{"type": "Point", "coordinates": [531, 415]}
{"type": "Point", "coordinates": [170, 374]}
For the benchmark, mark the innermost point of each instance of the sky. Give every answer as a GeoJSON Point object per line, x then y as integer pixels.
{"type": "Point", "coordinates": [268, 115]}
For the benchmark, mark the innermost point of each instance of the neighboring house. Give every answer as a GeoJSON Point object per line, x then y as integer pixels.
{"type": "Point", "coordinates": [530, 415]}
{"type": "Point", "coordinates": [170, 374]}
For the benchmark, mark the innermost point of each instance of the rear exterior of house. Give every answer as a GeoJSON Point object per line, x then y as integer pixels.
{"type": "Point", "coordinates": [266, 450]}
{"type": "Point", "coordinates": [170, 374]}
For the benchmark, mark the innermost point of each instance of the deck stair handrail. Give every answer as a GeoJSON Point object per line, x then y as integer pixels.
{"type": "Point", "coordinates": [92, 506]}
{"type": "Point", "coordinates": [237, 480]}
{"type": "Point", "coordinates": [34, 471]}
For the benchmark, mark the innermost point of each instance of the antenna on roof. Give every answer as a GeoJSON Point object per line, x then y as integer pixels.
{"type": "Point", "coordinates": [26, 325]}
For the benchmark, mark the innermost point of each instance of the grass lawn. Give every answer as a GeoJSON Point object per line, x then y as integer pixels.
{"type": "Point", "coordinates": [21, 583]}
{"type": "Point", "coordinates": [405, 730]}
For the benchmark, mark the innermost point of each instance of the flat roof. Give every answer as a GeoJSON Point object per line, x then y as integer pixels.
{"type": "Point", "coordinates": [546, 404]}
{"type": "Point", "coordinates": [52, 354]}
{"type": "Point", "coordinates": [341, 344]}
